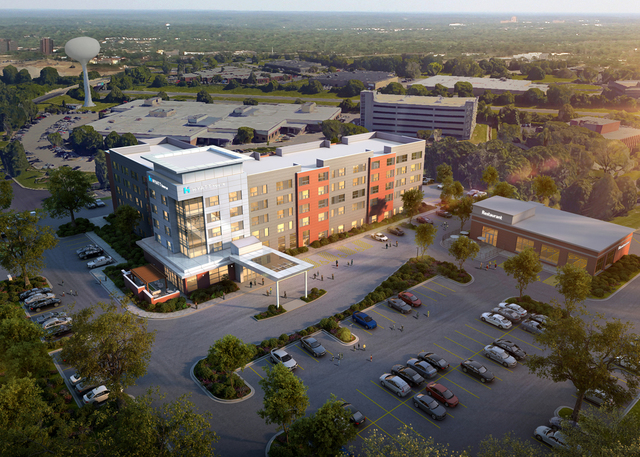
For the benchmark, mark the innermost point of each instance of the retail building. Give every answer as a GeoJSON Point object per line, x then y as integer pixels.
{"type": "Point", "coordinates": [558, 236]}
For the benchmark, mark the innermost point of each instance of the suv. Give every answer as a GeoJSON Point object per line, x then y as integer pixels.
{"type": "Point", "coordinates": [28, 293]}
{"type": "Point", "coordinates": [99, 262]}
{"type": "Point", "coordinates": [97, 395]}
{"type": "Point", "coordinates": [51, 301]}
{"type": "Point", "coordinates": [91, 252]}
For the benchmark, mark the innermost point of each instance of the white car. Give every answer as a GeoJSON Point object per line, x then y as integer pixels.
{"type": "Point", "coordinates": [499, 355]}
{"type": "Point", "coordinates": [55, 322]}
{"type": "Point", "coordinates": [440, 186]}
{"type": "Point", "coordinates": [38, 297]}
{"type": "Point", "coordinates": [517, 308]}
{"type": "Point", "coordinates": [283, 357]}
{"type": "Point", "coordinates": [538, 318]}
{"type": "Point", "coordinates": [75, 379]}
{"type": "Point", "coordinates": [379, 237]}
{"type": "Point", "coordinates": [496, 319]}
{"type": "Point", "coordinates": [549, 436]}
{"type": "Point", "coordinates": [99, 203]}
{"type": "Point", "coordinates": [99, 262]}
{"type": "Point", "coordinates": [97, 395]}
{"type": "Point", "coordinates": [395, 384]}
{"type": "Point", "coordinates": [476, 193]}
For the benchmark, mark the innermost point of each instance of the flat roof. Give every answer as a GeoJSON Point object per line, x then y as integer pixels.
{"type": "Point", "coordinates": [361, 75]}
{"type": "Point", "coordinates": [594, 120]}
{"type": "Point", "coordinates": [190, 160]}
{"type": "Point", "coordinates": [585, 232]}
{"type": "Point", "coordinates": [622, 133]}
{"type": "Point", "coordinates": [420, 100]}
{"type": "Point", "coordinates": [482, 83]}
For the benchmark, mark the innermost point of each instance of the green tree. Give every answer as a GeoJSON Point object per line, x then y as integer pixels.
{"type": "Point", "coordinates": [444, 172]}
{"type": "Point", "coordinates": [463, 249]}
{"type": "Point", "coordinates": [462, 210]}
{"type": "Point", "coordinates": [351, 89]}
{"type": "Point", "coordinates": [566, 113]}
{"type": "Point", "coordinates": [582, 348]}
{"type": "Point", "coordinates": [127, 139]}
{"type": "Point", "coordinates": [229, 353]}
{"type": "Point", "coordinates": [347, 106]}
{"type": "Point", "coordinates": [23, 76]}
{"type": "Point", "coordinates": [6, 194]}
{"type": "Point", "coordinates": [331, 129]}
{"type": "Point", "coordinates": [250, 101]}
{"type": "Point", "coordinates": [490, 176]}
{"type": "Point", "coordinates": [612, 156]}
{"type": "Point", "coordinates": [604, 200]}
{"type": "Point", "coordinates": [9, 74]}
{"type": "Point", "coordinates": [25, 243]}
{"type": "Point", "coordinates": [412, 69]}
{"type": "Point", "coordinates": [463, 89]}
{"type": "Point", "coordinates": [406, 443]}
{"type": "Point", "coordinates": [393, 88]}
{"type": "Point", "coordinates": [312, 87]}
{"type": "Point", "coordinates": [574, 198]}
{"type": "Point", "coordinates": [25, 358]}
{"type": "Point", "coordinates": [451, 190]}
{"type": "Point", "coordinates": [434, 68]}
{"type": "Point", "coordinates": [112, 140]}
{"type": "Point", "coordinates": [285, 397]}
{"type": "Point", "coordinates": [163, 95]}
{"type": "Point", "coordinates": [127, 219]}
{"type": "Point", "coordinates": [252, 79]}
{"type": "Point", "coordinates": [204, 97]}
{"type": "Point", "coordinates": [424, 134]}
{"type": "Point", "coordinates": [102, 173]}
{"type": "Point", "coordinates": [629, 192]}
{"type": "Point", "coordinates": [425, 236]}
{"type": "Point", "coordinates": [536, 73]}
{"type": "Point", "coordinates": [14, 158]}
{"type": "Point", "coordinates": [509, 446]}
{"type": "Point", "coordinates": [411, 201]}
{"type": "Point", "coordinates": [55, 139]}
{"type": "Point", "coordinates": [574, 284]}
{"type": "Point", "coordinates": [110, 344]}
{"type": "Point", "coordinates": [544, 187]}
{"type": "Point", "coordinates": [418, 89]}
{"type": "Point", "coordinates": [69, 192]}
{"type": "Point", "coordinates": [85, 139]}
{"type": "Point", "coordinates": [116, 96]}
{"type": "Point", "coordinates": [160, 81]}
{"type": "Point", "coordinates": [524, 268]}
{"type": "Point", "coordinates": [244, 135]}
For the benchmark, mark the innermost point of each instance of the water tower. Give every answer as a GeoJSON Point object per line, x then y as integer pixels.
{"type": "Point", "coordinates": [83, 49]}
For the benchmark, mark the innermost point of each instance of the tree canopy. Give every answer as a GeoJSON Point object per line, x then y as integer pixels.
{"type": "Point", "coordinates": [463, 249]}
{"type": "Point", "coordinates": [69, 192]}
{"type": "Point", "coordinates": [425, 235]}
{"type": "Point", "coordinates": [524, 268]}
{"type": "Point", "coordinates": [411, 201]}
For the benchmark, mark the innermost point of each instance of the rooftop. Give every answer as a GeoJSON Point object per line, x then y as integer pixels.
{"type": "Point", "coordinates": [594, 120]}
{"type": "Point", "coordinates": [190, 160]}
{"type": "Point", "coordinates": [629, 83]}
{"type": "Point", "coordinates": [622, 133]}
{"type": "Point", "coordinates": [361, 75]}
{"type": "Point", "coordinates": [425, 101]}
{"type": "Point", "coordinates": [520, 85]}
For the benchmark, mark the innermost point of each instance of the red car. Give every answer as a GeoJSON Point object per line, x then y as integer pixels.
{"type": "Point", "coordinates": [424, 220]}
{"type": "Point", "coordinates": [410, 299]}
{"type": "Point", "coordinates": [442, 394]}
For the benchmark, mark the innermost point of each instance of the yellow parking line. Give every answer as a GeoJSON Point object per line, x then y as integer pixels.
{"type": "Point", "coordinates": [373, 401]}
{"type": "Point", "coordinates": [443, 286]}
{"type": "Point", "coordinates": [383, 316]}
{"type": "Point", "coordinates": [256, 372]}
{"type": "Point", "coordinates": [305, 353]}
{"type": "Point", "coordinates": [360, 327]}
{"type": "Point", "coordinates": [526, 342]}
{"type": "Point", "coordinates": [402, 403]}
{"type": "Point", "coordinates": [419, 411]}
{"type": "Point", "coordinates": [467, 336]}
{"type": "Point", "coordinates": [432, 290]}
{"type": "Point", "coordinates": [459, 344]}
{"type": "Point", "coordinates": [449, 380]}
{"type": "Point", "coordinates": [422, 294]}
{"type": "Point", "coordinates": [480, 331]}
{"type": "Point", "coordinates": [500, 365]}
{"type": "Point", "coordinates": [462, 358]}
{"type": "Point", "coordinates": [635, 240]}
{"type": "Point", "coordinates": [471, 377]}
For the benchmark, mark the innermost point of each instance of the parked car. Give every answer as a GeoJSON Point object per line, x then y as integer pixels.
{"type": "Point", "coordinates": [499, 355]}
{"type": "Point", "coordinates": [75, 379]}
{"type": "Point", "coordinates": [511, 348]}
{"type": "Point", "coordinates": [91, 252]}
{"type": "Point", "coordinates": [549, 436]}
{"type": "Point", "coordinates": [409, 299]}
{"type": "Point", "coordinates": [531, 326]}
{"type": "Point", "coordinates": [558, 423]}
{"type": "Point", "coordinates": [364, 319]}
{"type": "Point", "coordinates": [37, 306]}
{"type": "Point", "coordinates": [426, 180]}
{"type": "Point", "coordinates": [100, 203]}
{"type": "Point", "coordinates": [99, 262]}
{"type": "Point", "coordinates": [91, 205]}
{"type": "Point", "coordinates": [597, 397]}
{"type": "Point", "coordinates": [424, 369]}
{"type": "Point", "coordinates": [395, 384]}
{"type": "Point", "coordinates": [28, 293]}
{"type": "Point", "coordinates": [398, 305]}
{"type": "Point", "coordinates": [508, 313]}
{"type": "Point", "coordinates": [477, 370]}
{"type": "Point", "coordinates": [356, 416]}
{"type": "Point", "coordinates": [313, 346]}
{"type": "Point", "coordinates": [97, 395]}
{"type": "Point", "coordinates": [409, 375]}
{"type": "Point", "coordinates": [430, 406]}
{"type": "Point", "coordinates": [38, 298]}
{"type": "Point", "coordinates": [283, 357]}
{"type": "Point", "coordinates": [434, 360]}
{"type": "Point", "coordinates": [396, 231]}
{"type": "Point", "coordinates": [86, 384]}
{"type": "Point", "coordinates": [517, 308]}
{"type": "Point", "coordinates": [56, 321]}
{"type": "Point", "coordinates": [57, 331]}
{"type": "Point", "coordinates": [442, 394]}
{"type": "Point", "coordinates": [379, 237]}
{"type": "Point", "coordinates": [78, 251]}
{"type": "Point", "coordinates": [46, 316]}
{"type": "Point", "coordinates": [424, 220]}
{"type": "Point", "coordinates": [496, 319]}
{"type": "Point", "coordinates": [443, 213]}
{"type": "Point", "coordinates": [476, 193]}
{"type": "Point", "coordinates": [539, 318]}
{"type": "Point", "coordinates": [440, 186]}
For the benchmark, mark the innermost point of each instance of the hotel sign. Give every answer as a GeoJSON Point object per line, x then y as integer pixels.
{"type": "Point", "coordinates": [158, 183]}
{"type": "Point", "coordinates": [491, 215]}
{"type": "Point", "coordinates": [189, 189]}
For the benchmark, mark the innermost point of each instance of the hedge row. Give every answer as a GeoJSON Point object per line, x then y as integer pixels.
{"type": "Point", "coordinates": [10, 290]}
{"type": "Point", "coordinates": [83, 225]}
{"type": "Point", "coordinates": [220, 384]}
{"type": "Point", "coordinates": [271, 311]}
{"type": "Point", "coordinates": [295, 251]}
{"type": "Point", "coordinates": [356, 231]}
{"type": "Point", "coordinates": [615, 276]}
{"type": "Point", "coordinates": [315, 294]}
{"type": "Point", "coordinates": [226, 286]}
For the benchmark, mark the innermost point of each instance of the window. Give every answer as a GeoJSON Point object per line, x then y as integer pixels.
{"type": "Point", "coordinates": [391, 161]}
{"type": "Point", "coordinates": [374, 201]}
{"type": "Point", "coordinates": [282, 243]}
{"type": "Point", "coordinates": [388, 197]}
{"type": "Point", "coordinates": [167, 230]}
{"type": "Point", "coordinates": [156, 224]}
{"type": "Point", "coordinates": [213, 201]}
{"type": "Point", "coordinates": [401, 182]}
{"type": "Point", "coordinates": [357, 193]}
{"type": "Point", "coordinates": [323, 216]}
{"type": "Point", "coordinates": [338, 172]}
{"type": "Point", "coordinates": [357, 206]}
{"type": "Point", "coordinates": [388, 186]}
{"type": "Point", "coordinates": [213, 217]}
{"type": "Point", "coordinates": [304, 222]}
{"type": "Point", "coordinates": [235, 226]}
{"type": "Point", "coordinates": [304, 208]}
{"type": "Point", "coordinates": [290, 225]}
{"type": "Point", "coordinates": [293, 240]}
{"type": "Point", "coordinates": [154, 208]}
{"type": "Point", "coordinates": [416, 167]}
{"type": "Point", "coordinates": [259, 219]}
{"type": "Point", "coordinates": [260, 204]}
{"type": "Point", "coordinates": [323, 176]}
{"type": "Point", "coordinates": [523, 243]}
{"type": "Point", "coordinates": [337, 199]}
{"type": "Point", "coordinates": [375, 165]}
{"type": "Point", "coordinates": [304, 194]}
{"type": "Point", "coordinates": [375, 177]}
{"type": "Point", "coordinates": [401, 170]}
{"type": "Point", "coordinates": [165, 215]}
{"type": "Point", "coordinates": [416, 155]}
{"type": "Point", "coordinates": [191, 227]}
{"type": "Point", "coordinates": [169, 246]}
{"type": "Point", "coordinates": [322, 235]}
{"type": "Point", "coordinates": [303, 181]}
{"type": "Point", "coordinates": [306, 237]}
{"type": "Point", "coordinates": [415, 178]}
{"type": "Point", "coordinates": [600, 264]}
{"type": "Point", "coordinates": [549, 254]}
{"type": "Point", "coordinates": [337, 212]}
{"type": "Point", "coordinates": [577, 260]}
{"type": "Point", "coordinates": [215, 247]}
{"type": "Point", "coordinates": [235, 196]}
{"type": "Point", "coordinates": [158, 239]}
{"type": "Point", "coordinates": [358, 181]}
{"type": "Point", "coordinates": [374, 189]}
{"type": "Point", "coordinates": [340, 228]}
{"type": "Point", "coordinates": [282, 185]}
{"type": "Point", "coordinates": [610, 257]}
{"type": "Point", "coordinates": [282, 199]}
{"type": "Point", "coordinates": [136, 188]}
{"type": "Point", "coordinates": [216, 231]}
{"type": "Point", "coordinates": [258, 190]}
{"type": "Point", "coordinates": [360, 168]}
{"type": "Point", "coordinates": [235, 211]}
{"type": "Point", "coordinates": [285, 212]}
{"type": "Point", "coordinates": [152, 193]}
{"type": "Point", "coordinates": [390, 173]}
{"type": "Point", "coordinates": [323, 190]}
{"type": "Point", "coordinates": [337, 186]}
{"type": "Point", "coordinates": [402, 159]}
{"type": "Point", "coordinates": [218, 274]}
{"type": "Point", "coordinates": [280, 228]}
{"type": "Point", "coordinates": [374, 218]}
{"type": "Point", "coordinates": [134, 175]}
{"type": "Point", "coordinates": [164, 200]}
{"type": "Point", "coordinates": [490, 235]}
{"type": "Point", "coordinates": [266, 231]}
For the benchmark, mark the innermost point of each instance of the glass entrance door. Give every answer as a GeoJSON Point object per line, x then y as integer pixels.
{"type": "Point", "coordinates": [490, 235]}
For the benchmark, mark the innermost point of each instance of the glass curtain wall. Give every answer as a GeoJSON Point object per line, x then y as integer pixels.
{"type": "Point", "coordinates": [191, 227]}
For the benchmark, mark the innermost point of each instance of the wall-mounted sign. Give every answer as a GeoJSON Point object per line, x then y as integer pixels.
{"type": "Point", "coordinates": [621, 246]}
{"type": "Point", "coordinates": [189, 189]}
{"type": "Point", "coordinates": [491, 215]}
{"type": "Point", "coordinates": [158, 183]}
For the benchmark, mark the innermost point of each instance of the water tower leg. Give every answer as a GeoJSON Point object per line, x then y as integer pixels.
{"type": "Point", "coordinates": [87, 89]}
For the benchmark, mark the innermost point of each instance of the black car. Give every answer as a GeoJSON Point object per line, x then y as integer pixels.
{"type": "Point", "coordinates": [477, 370]}
{"type": "Point", "coordinates": [57, 331]}
{"type": "Point", "coordinates": [82, 249]}
{"type": "Point", "coordinates": [396, 231]}
{"type": "Point", "coordinates": [313, 346]}
{"type": "Point", "coordinates": [443, 213]}
{"type": "Point", "coordinates": [511, 348]}
{"type": "Point", "coordinates": [44, 303]}
{"type": "Point", "coordinates": [91, 252]}
{"type": "Point", "coordinates": [356, 416]}
{"type": "Point", "coordinates": [409, 375]}
{"type": "Point", "coordinates": [434, 359]}
{"type": "Point", "coordinates": [28, 293]}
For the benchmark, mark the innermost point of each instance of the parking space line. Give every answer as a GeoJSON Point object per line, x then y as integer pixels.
{"type": "Point", "coordinates": [471, 350]}
{"type": "Point", "coordinates": [452, 382]}
{"type": "Point", "coordinates": [429, 288]}
{"type": "Point", "coordinates": [471, 377]}
{"type": "Point", "coordinates": [443, 286]}
{"type": "Point", "coordinates": [401, 403]}
{"type": "Point", "coordinates": [420, 413]}
{"type": "Point", "coordinates": [500, 365]}
{"type": "Point", "coordinates": [480, 331]}
{"type": "Point", "coordinates": [462, 358]}
{"type": "Point", "coordinates": [360, 327]}
{"type": "Point", "coordinates": [305, 353]}
{"type": "Point", "coordinates": [467, 336]}
{"type": "Point", "coordinates": [422, 294]}
{"type": "Point", "coordinates": [256, 372]}
{"type": "Point", "coordinates": [383, 316]}
{"type": "Point", "coordinates": [526, 342]}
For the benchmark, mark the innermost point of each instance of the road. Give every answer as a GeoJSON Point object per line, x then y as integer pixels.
{"type": "Point", "coordinates": [238, 96]}
{"type": "Point", "coordinates": [57, 92]}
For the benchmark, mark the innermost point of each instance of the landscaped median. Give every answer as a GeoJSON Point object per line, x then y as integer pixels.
{"type": "Point", "coordinates": [614, 277]}
{"type": "Point", "coordinates": [273, 311]}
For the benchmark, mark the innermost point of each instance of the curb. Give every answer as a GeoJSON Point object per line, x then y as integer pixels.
{"type": "Point", "coordinates": [64, 378]}
{"type": "Point", "coordinates": [219, 400]}
{"type": "Point", "coordinates": [613, 294]}
{"type": "Point", "coordinates": [268, 447]}
{"type": "Point", "coordinates": [557, 411]}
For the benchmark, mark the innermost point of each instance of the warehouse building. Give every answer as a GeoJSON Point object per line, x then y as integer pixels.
{"type": "Point", "coordinates": [495, 85]}
{"type": "Point", "coordinates": [372, 80]}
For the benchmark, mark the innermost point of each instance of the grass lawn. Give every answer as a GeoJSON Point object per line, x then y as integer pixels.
{"type": "Point", "coordinates": [68, 100]}
{"type": "Point", "coordinates": [3, 144]}
{"type": "Point", "coordinates": [584, 87]}
{"type": "Point", "coordinates": [631, 220]}
{"type": "Point", "coordinates": [33, 179]}
{"type": "Point", "coordinates": [636, 409]}
{"type": "Point", "coordinates": [479, 134]}
{"type": "Point", "coordinates": [219, 89]}
{"type": "Point", "coordinates": [494, 133]}
{"type": "Point", "coordinates": [548, 79]}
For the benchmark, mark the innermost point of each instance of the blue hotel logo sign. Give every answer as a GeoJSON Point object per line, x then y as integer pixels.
{"type": "Point", "coordinates": [158, 183]}
{"type": "Point", "coordinates": [187, 190]}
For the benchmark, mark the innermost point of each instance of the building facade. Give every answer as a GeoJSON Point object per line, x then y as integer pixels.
{"type": "Point", "coordinates": [630, 88]}
{"type": "Point", "coordinates": [558, 237]}
{"type": "Point", "coordinates": [407, 114]}
{"type": "Point", "coordinates": [495, 85]}
{"type": "Point", "coordinates": [8, 45]}
{"type": "Point", "coordinates": [372, 80]}
{"type": "Point", "coordinates": [46, 46]}
{"type": "Point", "coordinates": [196, 202]}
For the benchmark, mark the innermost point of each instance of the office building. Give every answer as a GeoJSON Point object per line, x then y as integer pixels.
{"type": "Point", "coordinates": [291, 66]}
{"type": "Point", "coordinates": [558, 236]}
{"type": "Point", "coordinates": [610, 129]}
{"type": "Point", "coordinates": [197, 203]}
{"type": "Point", "coordinates": [46, 46]}
{"type": "Point", "coordinates": [7, 45]}
{"type": "Point", "coordinates": [407, 114]}
{"type": "Point", "coordinates": [495, 85]}
{"type": "Point", "coordinates": [630, 88]}
{"type": "Point", "coordinates": [372, 80]}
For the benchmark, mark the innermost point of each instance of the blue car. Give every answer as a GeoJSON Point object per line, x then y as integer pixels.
{"type": "Point", "coordinates": [365, 320]}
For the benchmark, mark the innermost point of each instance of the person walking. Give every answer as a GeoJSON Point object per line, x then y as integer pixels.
{"type": "Point", "coordinates": [396, 243]}
{"type": "Point", "coordinates": [386, 245]}
{"type": "Point", "coordinates": [481, 265]}
{"type": "Point", "coordinates": [495, 265]}
{"type": "Point", "coordinates": [336, 264]}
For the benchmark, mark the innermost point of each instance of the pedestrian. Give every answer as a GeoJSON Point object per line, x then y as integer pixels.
{"type": "Point", "coordinates": [285, 294]}
{"type": "Point", "coordinates": [250, 284]}
{"type": "Point", "coordinates": [402, 328]}
{"type": "Point", "coordinates": [263, 281]}
{"type": "Point", "coordinates": [487, 267]}
{"type": "Point", "coordinates": [336, 264]}
{"type": "Point", "coordinates": [396, 243]}
{"type": "Point", "coordinates": [321, 277]}
{"type": "Point", "coordinates": [358, 345]}
{"type": "Point", "coordinates": [371, 358]}
{"type": "Point", "coordinates": [393, 327]}
{"type": "Point", "coordinates": [223, 297]}
{"type": "Point", "coordinates": [105, 278]}
{"type": "Point", "coordinates": [364, 347]}
{"type": "Point", "coordinates": [428, 313]}
{"type": "Point", "coordinates": [62, 283]}
{"type": "Point", "coordinates": [332, 276]}
{"type": "Point", "coordinates": [417, 314]}
{"type": "Point", "coordinates": [351, 262]}
{"type": "Point", "coordinates": [270, 290]}
{"type": "Point", "coordinates": [481, 265]}
{"type": "Point", "coordinates": [339, 361]}
{"type": "Point", "coordinates": [386, 245]}
{"type": "Point", "coordinates": [63, 293]}
{"type": "Point", "coordinates": [314, 275]}
{"type": "Point", "coordinates": [495, 265]}
{"type": "Point", "coordinates": [332, 357]}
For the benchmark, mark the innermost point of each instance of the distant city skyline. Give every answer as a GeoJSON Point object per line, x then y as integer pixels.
{"type": "Point", "coordinates": [507, 7]}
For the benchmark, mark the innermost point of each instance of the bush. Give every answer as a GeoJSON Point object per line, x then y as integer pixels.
{"type": "Point", "coordinates": [328, 324]}
{"type": "Point", "coordinates": [599, 292]}
{"type": "Point", "coordinates": [83, 225]}
{"type": "Point", "coordinates": [344, 334]}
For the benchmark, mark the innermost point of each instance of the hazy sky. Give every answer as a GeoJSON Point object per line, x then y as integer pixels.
{"type": "Point", "coordinates": [436, 6]}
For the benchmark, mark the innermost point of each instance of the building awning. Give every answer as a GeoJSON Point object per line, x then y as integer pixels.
{"type": "Point", "coordinates": [147, 273]}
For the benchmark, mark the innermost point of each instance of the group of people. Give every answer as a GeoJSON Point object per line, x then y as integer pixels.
{"type": "Point", "coordinates": [495, 265]}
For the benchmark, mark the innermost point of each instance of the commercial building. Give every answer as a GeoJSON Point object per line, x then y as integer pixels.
{"type": "Point", "coordinates": [495, 85]}
{"type": "Point", "coordinates": [8, 45]}
{"type": "Point", "coordinates": [46, 46]}
{"type": "Point", "coordinates": [371, 79]}
{"type": "Point", "coordinates": [559, 237]}
{"type": "Point", "coordinates": [630, 88]}
{"type": "Point", "coordinates": [407, 114]}
{"type": "Point", "coordinates": [291, 66]}
{"type": "Point", "coordinates": [198, 204]}
{"type": "Point", "coordinates": [225, 74]}
{"type": "Point", "coordinates": [215, 123]}
{"type": "Point", "coordinates": [610, 129]}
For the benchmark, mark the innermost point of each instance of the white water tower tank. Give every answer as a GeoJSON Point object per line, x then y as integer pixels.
{"type": "Point", "coordinates": [83, 49]}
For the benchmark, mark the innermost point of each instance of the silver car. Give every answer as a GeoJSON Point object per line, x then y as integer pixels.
{"type": "Point", "coordinates": [550, 436]}
{"type": "Point", "coordinates": [46, 316]}
{"type": "Point", "coordinates": [395, 384]}
{"type": "Point", "coordinates": [517, 308]}
{"type": "Point", "coordinates": [283, 357]}
{"type": "Point", "coordinates": [424, 369]}
{"type": "Point", "coordinates": [99, 262]}
{"type": "Point", "coordinates": [399, 305]}
{"type": "Point", "coordinates": [510, 314]}
{"type": "Point", "coordinates": [430, 406]}
{"type": "Point", "coordinates": [499, 355]}
{"type": "Point", "coordinates": [56, 321]}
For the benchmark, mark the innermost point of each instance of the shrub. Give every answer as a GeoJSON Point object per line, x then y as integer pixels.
{"type": "Point", "coordinates": [599, 292]}
{"type": "Point", "coordinates": [344, 334]}
{"type": "Point", "coordinates": [273, 343]}
{"type": "Point", "coordinates": [328, 324]}
{"type": "Point", "coordinates": [284, 339]}
{"type": "Point", "coordinates": [316, 244]}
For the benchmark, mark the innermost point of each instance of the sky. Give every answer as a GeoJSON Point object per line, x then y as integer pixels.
{"type": "Point", "coordinates": [425, 6]}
